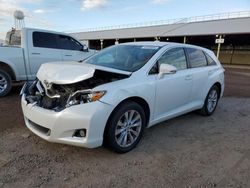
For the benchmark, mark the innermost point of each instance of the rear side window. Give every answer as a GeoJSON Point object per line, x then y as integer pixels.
{"type": "Point", "coordinates": [44, 40]}
{"type": "Point", "coordinates": [210, 60]}
{"type": "Point", "coordinates": [196, 58]}
{"type": "Point", "coordinates": [68, 43]}
{"type": "Point", "coordinates": [175, 57]}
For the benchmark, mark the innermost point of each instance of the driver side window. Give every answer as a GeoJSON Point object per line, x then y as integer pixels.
{"type": "Point", "coordinates": [175, 57]}
{"type": "Point", "coordinates": [68, 43]}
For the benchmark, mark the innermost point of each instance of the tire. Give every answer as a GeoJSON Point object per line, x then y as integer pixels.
{"type": "Point", "coordinates": [5, 83]}
{"type": "Point", "coordinates": [125, 127]}
{"type": "Point", "coordinates": [210, 102]}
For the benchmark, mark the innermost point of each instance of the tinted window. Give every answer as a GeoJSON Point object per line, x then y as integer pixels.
{"type": "Point", "coordinates": [196, 58]}
{"type": "Point", "coordinates": [44, 40]}
{"type": "Point", "coordinates": [210, 60]}
{"type": "Point", "coordinates": [175, 57]}
{"type": "Point", "coordinates": [68, 43]}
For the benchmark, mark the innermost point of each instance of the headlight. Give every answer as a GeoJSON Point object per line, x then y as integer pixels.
{"type": "Point", "coordinates": [26, 86]}
{"type": "Point", "coordinates": [23, 89]}
{"type": "Point", "coordinates": [84, 96]}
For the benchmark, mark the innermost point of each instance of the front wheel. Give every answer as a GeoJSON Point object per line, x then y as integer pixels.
{"type": "Point", "coordinates": [125, 127]}
{"type": "Point", "coordinates": [211, 101]}
{"type": "Point", "coordinates": [5, 83]}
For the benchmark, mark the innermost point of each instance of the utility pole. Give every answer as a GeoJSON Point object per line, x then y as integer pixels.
{"type": "Point", "coordinates": [101, 43]}
{"type": "Point", "coordinates": [218, 49]}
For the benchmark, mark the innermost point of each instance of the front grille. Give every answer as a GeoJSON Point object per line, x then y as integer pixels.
{"type": "Point", "coordinates": [56, 104]}
{"type": "Point", "coordinates": [39, 128]}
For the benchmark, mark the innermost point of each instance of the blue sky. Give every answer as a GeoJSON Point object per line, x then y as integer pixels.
{"type": "Point", "coordinates": [73, 15]}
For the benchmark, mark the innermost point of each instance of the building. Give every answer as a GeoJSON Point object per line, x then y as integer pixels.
{"type": "Point", "coordinates": [232, 31]}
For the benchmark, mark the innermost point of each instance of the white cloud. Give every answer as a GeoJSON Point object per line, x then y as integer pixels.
{"type": "Point", "coordinates": [92, 4]}
{"type": "Point", "coordinates": [39, 11]}
{"type": "Point", "coordinates": [130, 8]}
{"type": "Point", "coordinates": [30, 1]}
{"type": "Point", "coordinates": [47, 10]}
{"type": "Point", "coordinates": [159, 1]}
{"type": "Point", "coordinates": [7, 8]}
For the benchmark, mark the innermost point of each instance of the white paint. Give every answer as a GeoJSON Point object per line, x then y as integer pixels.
{"type": "Point", "coordinates": [66, 73]}
{"type": "Point", "coordinates": [168, 96]}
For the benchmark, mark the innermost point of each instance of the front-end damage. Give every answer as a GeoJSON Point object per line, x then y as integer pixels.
{"type": "Point", "coordinates": [55, 96]}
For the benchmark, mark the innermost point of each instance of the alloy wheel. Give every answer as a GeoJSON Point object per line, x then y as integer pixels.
{"type": "Point", "coordinates": [212, 100]}
{"type": "Point", "coordinates": [128, 128]}
{"type": "Point", "coordinates": [3, 83]}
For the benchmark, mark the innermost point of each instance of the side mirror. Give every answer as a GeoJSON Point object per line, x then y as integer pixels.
{"type": "Point", "coordinates": [167, 69]}
{"type": "Point", "coordinates": [85, 48]}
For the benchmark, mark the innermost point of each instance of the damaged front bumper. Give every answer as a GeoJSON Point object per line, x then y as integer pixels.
{"type": "Point", "coordinates": [61, 126]}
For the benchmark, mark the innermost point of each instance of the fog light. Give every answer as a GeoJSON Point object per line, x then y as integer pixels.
{"type": "Point", "coordinates": [80, 133]}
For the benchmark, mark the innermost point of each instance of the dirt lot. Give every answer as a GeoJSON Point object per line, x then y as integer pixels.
{"type": "Point", "coordinates": [189, 151]}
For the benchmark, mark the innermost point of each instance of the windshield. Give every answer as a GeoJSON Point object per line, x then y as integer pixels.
{"type": "Point", "coordinates": [124, 57]}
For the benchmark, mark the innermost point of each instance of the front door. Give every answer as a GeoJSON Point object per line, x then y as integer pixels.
{"type": "Point", "coordinates": [173, 90]}
{"type": "Point", "coordinates": [72, 50]}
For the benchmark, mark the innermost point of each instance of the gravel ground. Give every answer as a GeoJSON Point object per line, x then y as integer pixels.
{"type": "Point", "coordinates": [188, 151]}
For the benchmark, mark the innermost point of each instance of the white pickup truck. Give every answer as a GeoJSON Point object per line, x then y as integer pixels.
{"type": "Point", "coordinates": [25, 50]}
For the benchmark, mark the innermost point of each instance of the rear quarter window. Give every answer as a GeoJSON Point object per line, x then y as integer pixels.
{"type": "Point", "coordinates": [210, 60]}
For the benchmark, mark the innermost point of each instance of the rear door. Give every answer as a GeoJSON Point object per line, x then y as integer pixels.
{"type": "Point", "coordinates": [72, 50]}
{"type": "Point", "coordinates": [42, 49]}
{"type": "Point", "coordinates": [198, 65]}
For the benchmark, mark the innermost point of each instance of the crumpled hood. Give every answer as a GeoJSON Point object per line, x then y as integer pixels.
{"type": "Point", "coordinates": [70, 72]}
{"type": "Point", "coordinates": [64, 72]}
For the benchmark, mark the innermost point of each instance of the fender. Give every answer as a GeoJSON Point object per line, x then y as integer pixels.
{"type": "Point", "coordinates": [12, 66]}
{"type": "Point", "coordinates": [144, 91]}
{"type": "Point", "coordinates": [213, 83]}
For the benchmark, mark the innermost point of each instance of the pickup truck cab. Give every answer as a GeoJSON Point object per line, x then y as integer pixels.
{"type": "Point", "coordinates": [27, 49]}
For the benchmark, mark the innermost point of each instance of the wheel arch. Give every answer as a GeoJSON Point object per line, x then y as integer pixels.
{"type": "Point", "coordinates": [6, 67]}
{"type": "Point", "coordinates": [218, 84]}
{"type": "Point", "coordinates": [142, 102]}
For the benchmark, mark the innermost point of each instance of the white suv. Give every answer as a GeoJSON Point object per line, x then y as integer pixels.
{"type": "Point", "coordinates": [112, 96]}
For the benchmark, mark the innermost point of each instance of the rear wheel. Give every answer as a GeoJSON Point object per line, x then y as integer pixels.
{"type": "Point", "coordinates": [211, 101]}
{"type": "Point", "coordinates": [5, 83]}
{"type": "Point", "coordinates": [125, 127]}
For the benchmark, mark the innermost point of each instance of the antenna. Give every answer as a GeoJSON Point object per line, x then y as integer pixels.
{"type": "Point", "coordinates": [19, 19]}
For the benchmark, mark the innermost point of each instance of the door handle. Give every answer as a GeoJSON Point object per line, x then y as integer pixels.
{"type": "Point", "coordinates": [35, 53]}
{"type": "Point", "coordinates": [188, 77]}
{"type": "Point", "coordinates": [68, 55]}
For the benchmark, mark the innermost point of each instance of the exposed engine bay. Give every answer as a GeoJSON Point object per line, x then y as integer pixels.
{"type": "Point", "coordinates": [58, 97]}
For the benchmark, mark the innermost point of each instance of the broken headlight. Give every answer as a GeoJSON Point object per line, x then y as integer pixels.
{"type": "Point", "coordinates": [84, 96]}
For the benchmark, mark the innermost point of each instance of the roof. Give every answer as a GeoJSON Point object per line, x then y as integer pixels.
{"type": "Point", "coordinates": [148, 43]}
{"type": "Point", "coordinates": [224, 26]}
{"type": "Point", "coordinates": [161, 44]}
